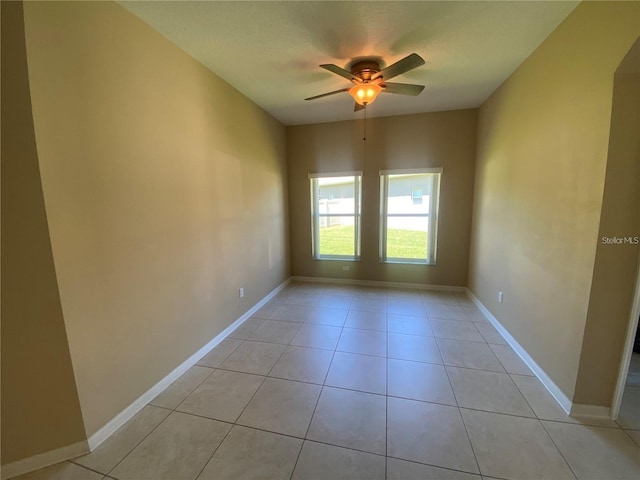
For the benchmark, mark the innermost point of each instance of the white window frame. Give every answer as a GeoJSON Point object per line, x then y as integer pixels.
{"type": "Point", "coordinates": [432, 216]}
{"type": "Point", "coordinates": [316, 215]}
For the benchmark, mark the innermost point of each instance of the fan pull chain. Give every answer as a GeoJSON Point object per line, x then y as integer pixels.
{"type": "Point", "coordinates": [364, 138]}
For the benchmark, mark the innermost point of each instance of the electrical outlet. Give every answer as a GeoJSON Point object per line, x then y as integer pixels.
{"type": "Point", "coordinates": [500, 296]}
{"type": "Point", "coordinates": [346, 268]}
{"type": "Point", "coordinates": [241, 292]}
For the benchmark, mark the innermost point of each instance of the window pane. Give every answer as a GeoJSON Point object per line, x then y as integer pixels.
{"type": "Point", "coordinates": [337, 236]}
{"type": "Point", "coordinates": [336, 195]}
{"type": "Point", "coordinates": [409, 193]}
{"type": "Point", "coordinates": [407, 237]}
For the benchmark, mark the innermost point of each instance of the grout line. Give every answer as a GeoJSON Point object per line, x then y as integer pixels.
{"type": "Point", "coordinates": [475, 457]}
{"type": "Point", "coordinates": [557, 449]}
{"type": "Point", "coordinates": [71, 460]}
{"type": "Point", "coordinates": [306, 433]}
{"type": "Point", "coordinates": [386, 409]}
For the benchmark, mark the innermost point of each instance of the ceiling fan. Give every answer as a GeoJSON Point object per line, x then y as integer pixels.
{"type": "Point", "coordinates": [369, 80]}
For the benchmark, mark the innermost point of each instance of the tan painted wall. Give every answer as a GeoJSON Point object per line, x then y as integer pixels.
{"type": "Point", "coordinates": [444, 139]}
{"type": "Point", "coordinates": [616, 265]}
{"type": "Point", "coordinates": [165, 191]}
{"type": "Point", "coordinates": [542, 152]}
{"type": "Point", "coordinates": [40, 407]}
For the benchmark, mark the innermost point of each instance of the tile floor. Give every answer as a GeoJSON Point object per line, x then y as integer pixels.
{"type": "Point", "coordinates": [345, 382]}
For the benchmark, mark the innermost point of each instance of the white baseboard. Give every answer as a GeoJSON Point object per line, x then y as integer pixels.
{"type": "Point", "coordinates": [42, 460]}
{"type": "Point", "coordinates": [123, 417]}
{"type": "Point", "coordinates": [564, 401]}
{"type": "Point", "coordinates": [374, 283]}
{"type": "Point", "coordinates": [593, 411]}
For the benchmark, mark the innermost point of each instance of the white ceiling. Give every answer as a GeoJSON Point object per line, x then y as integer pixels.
{"type": "Point", "coordinates": [270, 51]}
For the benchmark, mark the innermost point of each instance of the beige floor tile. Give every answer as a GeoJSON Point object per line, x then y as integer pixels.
{"type": "Point", "coordinates": [409, 325]}
{"type": "Point", "coordinates": [125, 439]}
{"type": "Point", "coordinates": [337, 289]}
{"type": "Point", "coordinates": [403, 470]}
{"type": "Point", "coordinates": [547, 408]}
{"type": "Point", "coordinates": [332, 300]}
{"type": "Point", "coordinates": [490, 334]}
{"type": "Point", "coordinates": [317, 336]}
{"type": "Point", "coordinates": [369, 304]}
{"type": "Point", "coordinates": [458, 353]}
{"type": "Point", "coordinates": [596, 453]}
{"type": "Point", "coordinates": [543, 404]}
{"type": "Point", "coordinates": [489, 391]}
{"type": "Point", "coordinates": [635, 435]}
{"type": "Point", "coordinates": [303, 364]}
{"type": "Point", "coordinates": [463, 299]}
{"type": "Point", "coordinates": [182, 387]}
{"type": "Point", "coordinates": [438, 297]}
{"type": "Point", "coordinates": [414, 347]}
{"type": "Point", "coordinates": [366, 342]}
{"type": "Point", "coordinates": [281, 406]}
{"type": "Point", "coordinates": [61, 471]}
{"type": "Point", "coordinates": [350, 419]}
{"type": "Point", "coordinates": [220, 352]}
{"type": "Point", "coordinates": [446, 312]}
{"type": "Point", "coordinates": [514, 447]}
{"type": "Point", "coordinates": [275, 331]}
{"type": "Point", "coordinates": [267, 309]}
{"type": "Point", "coordinates": [369, 292]}
{"type": "Point", "coordinates": [247, 328]}
{"type": "Point", "coordinates": [629, 416]}
{"type": "Point", "coordinates": [318, 461]}
{"type": "Point", "coordinates": [510, 360]}
{"type": "Point", "coordinates": [474, 314]}
{"type": "Point", "coordinates": [403, 293]}
{"type": "Point", "coordinates": [254, 357]}
{"type": "Point", "coordinates": [419, 381]}
{"type": "Point", "coordinates": [455, 330]}
{"type": "Point", "coordinates": [428, 433]}
{"type": "Point", "coordinates": [301, 298]}
{"type": "Point", "coordinates": [358, 372]}
{"type": "Point", "coordinates": [327, 316]}
{"type": "Point", "coordinates": [291, 313]}
{"type": "Point", "coordinates": [406, 307]}
{"type": "Point", "coordinates": [178, 449]}
{"type": "Point", "coordinates": [366, 320]}
{"type": "Point", "coordinates": [249, 454]}
{"type": "Point", "coordinates": [222, 396]}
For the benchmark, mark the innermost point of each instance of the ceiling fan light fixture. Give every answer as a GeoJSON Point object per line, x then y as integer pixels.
{"type": "Point", "coordinates": [365, 93]}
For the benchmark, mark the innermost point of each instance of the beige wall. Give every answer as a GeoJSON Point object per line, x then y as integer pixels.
{"type": "Point", "coordinates": [165, 191]}
{"type": "Point", "coordinates": [616, 265]}
{"type": "Point", "coordinates": [444, 139]}
{"type": "Point", "coordinates": [40, 408]}
{"type": "Point", "coordinates": [542, 153]}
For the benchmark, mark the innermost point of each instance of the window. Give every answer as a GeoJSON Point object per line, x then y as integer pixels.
{"type": "Point", "coordinates": [335, 215]}
{"type": "Point", "coordinates": [409, 215]}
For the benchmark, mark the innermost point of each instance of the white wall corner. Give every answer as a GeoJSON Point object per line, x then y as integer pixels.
{"type": "Point", "coordinates": [42, 460]}
{"type": "Point", "coordinates": [564, 401]}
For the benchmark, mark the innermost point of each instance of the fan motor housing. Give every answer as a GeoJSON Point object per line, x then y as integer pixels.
{"type": "Point", "coordinates": [365, 69]}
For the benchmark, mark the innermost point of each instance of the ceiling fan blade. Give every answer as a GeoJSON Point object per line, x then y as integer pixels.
{"type": "Point", "coordinates": [341, 71]}
{"type": "Point", "coordinates": [401, 66]}
{"type": "Point", "coordinates": [402, 88]}
{"type": "Point", "coordinates": [357, 107]}
{"type": "Point", "coordinates": [328, 93]}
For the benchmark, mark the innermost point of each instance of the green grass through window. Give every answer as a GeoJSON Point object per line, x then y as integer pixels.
{"type": "Point", "coordinates": [338, 240]}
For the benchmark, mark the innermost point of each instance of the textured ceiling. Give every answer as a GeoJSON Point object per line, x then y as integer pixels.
{"type": "Point", "coordinates": [270, 51]}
